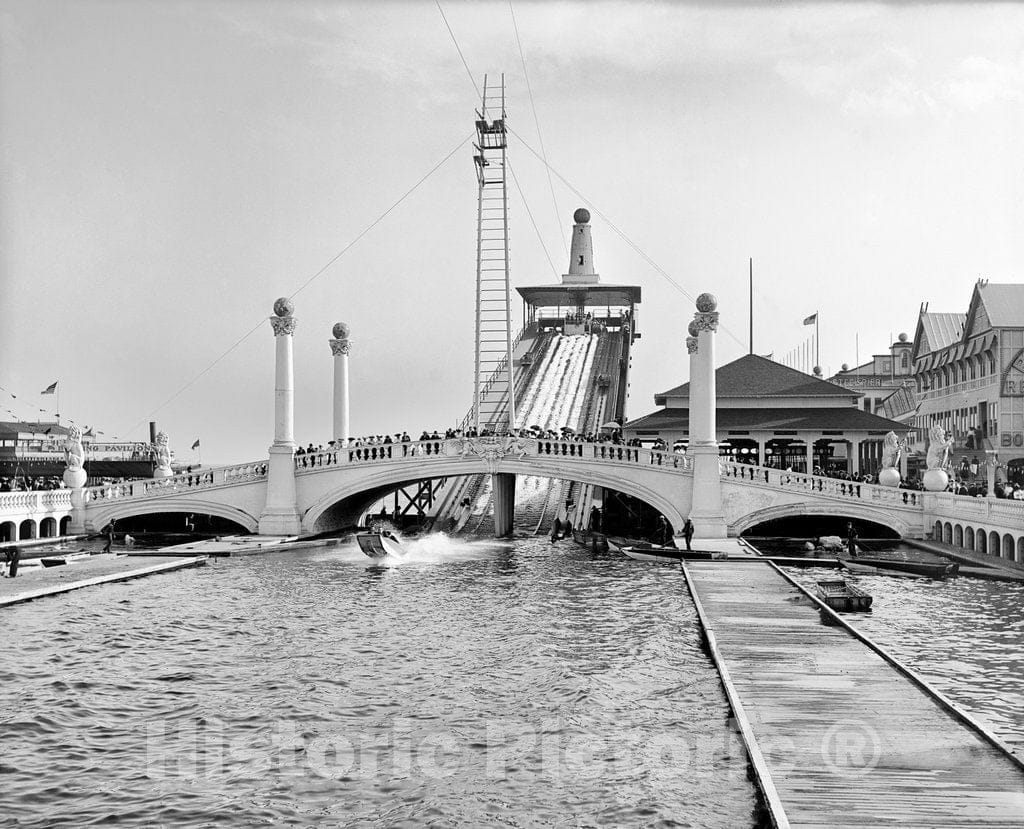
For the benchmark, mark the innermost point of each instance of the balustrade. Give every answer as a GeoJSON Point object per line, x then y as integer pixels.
{"type": "Point", "coordinates": [40, 500]}
{"type": "Point", "coordinates": [832, 487]}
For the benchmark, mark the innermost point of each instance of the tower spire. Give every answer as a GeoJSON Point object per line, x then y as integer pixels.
{"type": "Point", "coordinates": [581, 256]}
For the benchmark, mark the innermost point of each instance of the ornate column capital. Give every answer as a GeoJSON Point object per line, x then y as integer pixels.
{"type": "Point", "coordinates": [691, 345]}
{"type": "Point", "coordinates": [339, 347]}
{"type": "Point", "coordinates": [283, 325]}
{"type": "Point", "coordinates": [706, 321]}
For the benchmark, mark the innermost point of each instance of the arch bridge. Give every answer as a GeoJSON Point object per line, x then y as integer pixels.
{"type": "Point", "coordinates": [335, 487]}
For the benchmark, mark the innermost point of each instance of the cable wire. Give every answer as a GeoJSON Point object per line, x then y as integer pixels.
{"type": "Point", "coordinates": [540, 137]}
{"type": "Point", "coordinates": [621, 234]}
{"type": "Point", "coordinates": [472, 80]}
{"type": "Point", "coordinates": [530, 214]}
{"type": "Point", "coordinates": [307, 283]}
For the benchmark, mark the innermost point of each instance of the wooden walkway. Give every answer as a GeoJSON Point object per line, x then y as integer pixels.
{"type": "Point", "coordinates": [39, 582]}
{"type": "Point", "coordinates": [838, 735]}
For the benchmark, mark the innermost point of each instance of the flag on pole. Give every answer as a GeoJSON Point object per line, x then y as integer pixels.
{"type": "Point", "coordinates": [196, 444]}
{"type": "Point", "coordinates": [50, 389]}
{"type": "Point", "coordinates": [813, 318]}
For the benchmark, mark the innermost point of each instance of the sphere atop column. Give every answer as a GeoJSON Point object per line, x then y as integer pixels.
{"type": "Point", "coordinates": [692, 329]}
{"type": "Point", "coordinates": [284, 307]}
{"type": "Point", "coordinates": [341, 330]}
{"type": "Point", "coordinates": [817, 371]}
{"type": "Point", "coordinates": [581, 216]}
{"type": "Point", "coordinates": [707, 303]}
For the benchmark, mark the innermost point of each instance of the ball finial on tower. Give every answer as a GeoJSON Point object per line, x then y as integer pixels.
{"type": "Point", "coordinates": [692, 329]}
{"type": "Point", "coordinates": [284, 307]}
{"type": "Point", "coordinates": [903, 337]}
{"type": "Point", "coordinates": [817, 371]}
{"type": "Point", "coordinates": [581, 216]}
{"type": "Point", "coordinates": [707, 303]}
{"type": "Point", "coordinates": [846, 366]}
{"type": "Point", "coordinates": [340, 330]}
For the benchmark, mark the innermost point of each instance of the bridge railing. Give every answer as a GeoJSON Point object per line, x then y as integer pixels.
{"type": "Point", "coordinates": [454, 447]}
{"type": "Point", "coordinates": [349, 455]}
{"type": "Point", "coordinates": [1004, 512]}
{"type": "Point", "coordinates": [176, 484]}
{"type": "Point", "coordinates": [819, 485]}
{"type": "Point", "coordinates": [43, 500]}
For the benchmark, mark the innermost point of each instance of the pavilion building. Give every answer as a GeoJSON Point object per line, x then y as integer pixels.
{"type": "Point", "coordinates": [772, 415]}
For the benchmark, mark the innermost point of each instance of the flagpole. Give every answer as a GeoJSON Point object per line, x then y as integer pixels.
{"type": "Point", "coordinates": [751, 304]}
{"type": "Point", "coordinates": [817, 341]}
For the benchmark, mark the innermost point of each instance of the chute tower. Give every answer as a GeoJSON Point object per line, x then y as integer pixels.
{"type": "Point", "coordinates": [494, 403]}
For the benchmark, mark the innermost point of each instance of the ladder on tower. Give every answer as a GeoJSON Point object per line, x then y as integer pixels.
{"type": "Point", "coordinates": [494, 402]}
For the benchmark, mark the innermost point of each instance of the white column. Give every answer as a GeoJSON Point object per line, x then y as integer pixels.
{"type": "Point", "coordinates": [280, 515]}
{"type": "Point", "coordinates": [854, 452]}
{"type": "Point", "coordinates": [706, 502]}
{"type": "Point", "coordinates": [809, 439]}
{"type": "Point", "coordinates": [339, 348]}
{"type": "Point", "coordinates": [697, 413]}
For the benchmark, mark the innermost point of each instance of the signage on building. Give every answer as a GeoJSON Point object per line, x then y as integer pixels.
{"type": "Point", "coordinates": [1013, 379]}
{"type": "Point", "coordinates": [1007, 439]}
{"type": "Point", "coordinates": [862, 382]}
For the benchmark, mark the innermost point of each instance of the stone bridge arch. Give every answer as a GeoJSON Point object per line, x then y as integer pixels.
{"type": "Point", "coordinates": [666, 490]}
{"type": "Point", "coordinates": [852, 510]}
{"type": "Point", "coordinates": [99, 515]}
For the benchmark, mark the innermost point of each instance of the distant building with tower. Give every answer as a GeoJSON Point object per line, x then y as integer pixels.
{"type": "Point", "coordinates": [879, 378]}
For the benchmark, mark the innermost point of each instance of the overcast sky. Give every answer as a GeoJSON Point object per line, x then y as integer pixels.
{"type": "Point", "coordinates": [170, 168]}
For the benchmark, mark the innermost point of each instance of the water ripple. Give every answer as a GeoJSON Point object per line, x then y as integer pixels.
{"type": "Point", "coordinates": [478, 684]}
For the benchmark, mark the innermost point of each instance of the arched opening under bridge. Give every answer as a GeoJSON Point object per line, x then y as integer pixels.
{"type": "Point", "coordinates": [538, 501]}
{"type": "Point", "coordinates": [175, 523]}
{"type": "Point", "coordinates": [815, 526]}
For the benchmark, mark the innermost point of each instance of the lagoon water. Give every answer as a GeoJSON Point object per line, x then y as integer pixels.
{"type": "Point", "coordinates": [467, 684]}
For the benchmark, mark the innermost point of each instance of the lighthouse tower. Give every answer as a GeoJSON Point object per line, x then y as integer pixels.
{"type": "Point", "coordinates": [581, 256]}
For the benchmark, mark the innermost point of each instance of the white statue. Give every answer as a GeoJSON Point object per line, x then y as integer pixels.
{"type": "Point", "coordinates": [938, 448]}
{"type": "Point", "coordinates": [74, 455]}
{"type": "Point", "coordinates": [892, 448]}
{"type": "Point", "coordinates": [163, 456]}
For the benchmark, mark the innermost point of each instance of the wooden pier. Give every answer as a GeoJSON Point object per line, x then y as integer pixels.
{"type": "Point", "coordinates": [840, 734]}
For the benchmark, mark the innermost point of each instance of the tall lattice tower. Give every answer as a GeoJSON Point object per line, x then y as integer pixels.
{"type": "Point", "coordinates": [494, 402]}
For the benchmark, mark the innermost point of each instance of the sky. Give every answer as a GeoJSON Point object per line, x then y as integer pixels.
{"type": "Point", "coordinates": [169, 168]}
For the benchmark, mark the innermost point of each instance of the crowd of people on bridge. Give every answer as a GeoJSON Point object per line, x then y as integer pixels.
{"type": "Point", "coordinates": [535, 432]}
{"type": "Point", "coordinates": [28, 483]}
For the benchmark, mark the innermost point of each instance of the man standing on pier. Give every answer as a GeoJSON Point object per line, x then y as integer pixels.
{"type": "Point", "coordinates": [851, 539]}
{"type": "Point", "coordinates": [108, 531]}
{"type": "Point", "coordinates": [688, 532]}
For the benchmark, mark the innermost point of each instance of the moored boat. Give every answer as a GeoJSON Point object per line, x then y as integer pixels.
{"type": "Point", "coordinates": [648, 552]}
{"type": "Point", "coordinates": [841, 596]}
{"type": "Point", "coordinates": [866, 570]}
{"type": "Point", "coordinates": [928, 569]}
{"type": "Point", "coordinates": [379, 544]}
{"type": "Point", "coordinates": [651, 552]}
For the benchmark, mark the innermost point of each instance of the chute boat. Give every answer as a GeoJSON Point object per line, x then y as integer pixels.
{"type": "Point", "coordinates": [379, 544]}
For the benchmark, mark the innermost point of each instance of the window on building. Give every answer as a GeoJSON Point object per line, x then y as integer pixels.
{"type": "Point", "coordinates": [905, 360]}
{"type": "Point", "coordinates": [991, 363]}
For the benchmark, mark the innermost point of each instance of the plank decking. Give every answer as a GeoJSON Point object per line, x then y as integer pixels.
{"type": "Point", "coordinates": [838, 735]}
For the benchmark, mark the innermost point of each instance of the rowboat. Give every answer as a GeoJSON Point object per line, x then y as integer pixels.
{"type": "Point", "coordinates": [651, 553]}
{"type": "Point", "coordinates": [648, 552]}
{"type": "Point", "coordinates": [839, 595]}
{"type": "Point", "coordinates": [379, 544]}
{"type": "Point", "coordinates": [865, 570]}
{"type": "Point", "coordinates": [927, 569]}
